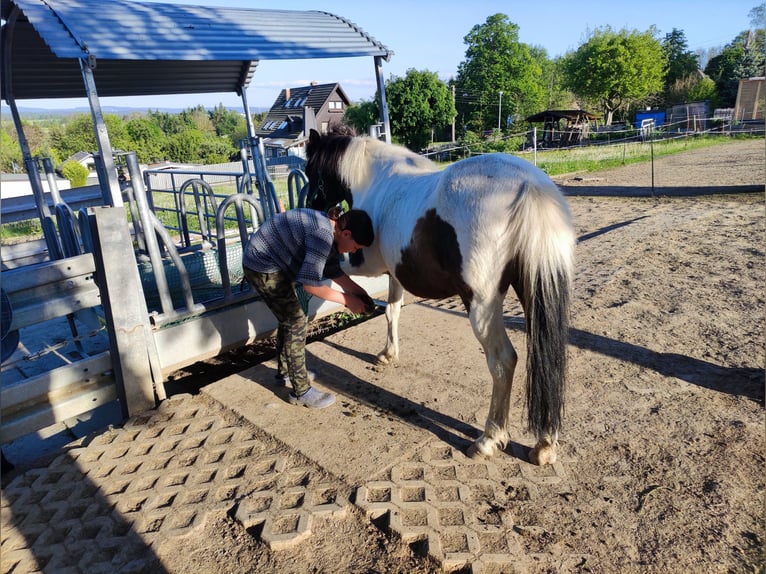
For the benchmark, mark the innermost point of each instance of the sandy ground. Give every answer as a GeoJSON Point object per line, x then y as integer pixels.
{"type": "Point", "coordinates": [664, 432]}
{"type": "Point", "coordinates": [662, 453]}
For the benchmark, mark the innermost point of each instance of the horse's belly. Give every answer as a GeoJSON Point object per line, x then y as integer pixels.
{"type": "Point", "coordinates": [423, 286]}
{"type": "Point", "coordinates": [430, 264]}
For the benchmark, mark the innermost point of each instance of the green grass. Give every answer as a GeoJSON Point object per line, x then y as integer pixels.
{"type": "Point", "coordinates": [18, 231]}
{"type": "Point", "coordinates": [597, 158]}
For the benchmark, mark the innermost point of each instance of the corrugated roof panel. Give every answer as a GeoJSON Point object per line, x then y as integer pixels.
{"type": "Point", "coordinates": [121, 29]}
{"type": "Point", "coordinates": [151, 48]}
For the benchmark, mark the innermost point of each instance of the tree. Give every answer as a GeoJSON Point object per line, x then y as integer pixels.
{"type": "Point", "coordinates": [79, 135]}
{"type": "Point", "coordinates": [147, 139]}
{"type": "Point", "coordinates": [495, 61]}
{"type": "Point", "coordinates": [226, 122]}
{"type": "Point", "coordinates": [362, 115]}
{"type": "Point", "coordinates": [184, 147]}
{"type": "Point", "coordinates": [617, 69]}
{"type": "Point", "coordinates": [682, 63]}
{"type": "Point", "coordinates": [171, 124]}
{"type": "Point", "coordinates": [694, 88]}
{"type": "Point", "coordinates": [555, 94]}
{"type": "Point", "coordinates": [418, 104]}
{"type": "Point", "coordinates": [10, 152]}
{"type": "Point", "coordinates": [742, 58]}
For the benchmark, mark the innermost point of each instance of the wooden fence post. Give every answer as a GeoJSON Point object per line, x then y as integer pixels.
{"type": "Point", "coordinates": [134, 356]}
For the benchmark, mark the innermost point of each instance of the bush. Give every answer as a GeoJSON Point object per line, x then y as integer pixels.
{"type": "Point", "coordinates": [75, 172]}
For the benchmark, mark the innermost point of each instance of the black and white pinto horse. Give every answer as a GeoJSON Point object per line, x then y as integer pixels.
{"type": "Point", "coordinates": [474, 229]}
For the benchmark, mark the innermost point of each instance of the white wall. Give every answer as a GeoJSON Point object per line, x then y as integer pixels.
{"type": "Point", "coordinates": [18, 185]}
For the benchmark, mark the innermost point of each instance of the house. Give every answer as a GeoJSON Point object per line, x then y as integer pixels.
{"type": "Point", "coordinates": [295, 112]}
{"type": "Point", "coordinates": [84, 158]}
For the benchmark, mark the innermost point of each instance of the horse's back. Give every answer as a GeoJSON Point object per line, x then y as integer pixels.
{"type": "Point", "coordinates": [496, 173]}
{"type": "Point", "coordinates": [479, 190]}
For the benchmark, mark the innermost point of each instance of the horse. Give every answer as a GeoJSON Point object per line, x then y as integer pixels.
{"type": "Point", "coordinates": [474, 229]}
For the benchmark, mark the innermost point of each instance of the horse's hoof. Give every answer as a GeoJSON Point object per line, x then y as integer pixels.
{"type": "Point", "coordinates": [481, 449]}
{"type": "Point", "coordinates": [542, 454]}
{"type": "Point", "coordinates": [384, 359]}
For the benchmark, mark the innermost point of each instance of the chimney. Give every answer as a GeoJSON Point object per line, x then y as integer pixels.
{"type": "Point", "coordinates": [287, 95]}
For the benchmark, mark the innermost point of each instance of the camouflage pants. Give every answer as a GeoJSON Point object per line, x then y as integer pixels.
{"type": "Point", "coordinates": [278, 292]}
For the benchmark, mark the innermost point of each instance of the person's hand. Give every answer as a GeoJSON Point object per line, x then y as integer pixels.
{"type": "Point", "coordinates": [355, 304]}
{"type": "Point", "coordinates": [368, 303]}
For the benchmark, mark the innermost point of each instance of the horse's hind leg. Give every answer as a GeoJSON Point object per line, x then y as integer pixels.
{"type": "Point", "coordinates": [390, 354]}
{"type": "Point", "coordinates": [545, 450]}
{"type": "Point", "coordinates": [487, 322]}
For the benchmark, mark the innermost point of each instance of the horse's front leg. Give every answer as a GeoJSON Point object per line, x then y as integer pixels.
{"type": "Point", "coordinates": [487, 322]}
{"type": "Point", "coordinates": [390, 354]}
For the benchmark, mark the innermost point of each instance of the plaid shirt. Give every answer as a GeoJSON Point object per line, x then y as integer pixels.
{"type": "Point", "coordinates": [297, 242]}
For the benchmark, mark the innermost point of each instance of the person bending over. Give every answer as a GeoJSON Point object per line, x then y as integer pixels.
{"type": "Point", "coordinates": [294, 247]}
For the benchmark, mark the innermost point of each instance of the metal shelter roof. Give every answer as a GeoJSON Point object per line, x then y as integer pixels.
{"type": "Point", "coordinates": [141, 48]}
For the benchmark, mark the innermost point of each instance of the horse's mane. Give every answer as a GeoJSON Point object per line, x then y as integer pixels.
{"type": "Point", "coordinates": [365, 153]}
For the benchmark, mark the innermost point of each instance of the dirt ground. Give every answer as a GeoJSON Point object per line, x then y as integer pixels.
{"type": "Point", "coordinates": [663, 442]}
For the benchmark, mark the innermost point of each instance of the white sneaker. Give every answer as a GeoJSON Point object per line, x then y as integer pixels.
{"type": "Point", "coordinates": [313, 399]}
{"type": "Point", "coordinates": [312, 376]}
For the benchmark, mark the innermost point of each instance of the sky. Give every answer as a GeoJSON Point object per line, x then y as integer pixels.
{"type": "Point", "coordinates": [428, 35]}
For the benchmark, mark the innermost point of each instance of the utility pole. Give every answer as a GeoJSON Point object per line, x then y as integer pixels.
{"type": "Point", "coordinates": [453, 117]}
{"type": "Point", "coordinates": [500, 109]}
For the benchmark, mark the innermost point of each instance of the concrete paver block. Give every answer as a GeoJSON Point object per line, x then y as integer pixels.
{"type": "Point", "coordinates": [457, 506]}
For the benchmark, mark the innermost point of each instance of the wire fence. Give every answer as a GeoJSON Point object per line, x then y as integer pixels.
{"type": "Point", "coordinates": [607, 143]}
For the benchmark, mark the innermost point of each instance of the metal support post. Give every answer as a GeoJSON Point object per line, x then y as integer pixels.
{"type": "Point", "coordinates": [383, 104]}
{"type": "Point", "coordinates": [134, 355]}
{"type": "Point", "coordinates": [110, 186]}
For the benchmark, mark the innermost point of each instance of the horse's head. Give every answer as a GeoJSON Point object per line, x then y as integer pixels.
{"type": "Point", "coordinates": [326, 186]}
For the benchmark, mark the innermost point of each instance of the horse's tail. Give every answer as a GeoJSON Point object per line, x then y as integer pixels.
{"type": "Point", "coordinates": [544, 242]}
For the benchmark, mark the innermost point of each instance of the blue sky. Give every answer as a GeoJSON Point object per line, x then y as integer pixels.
{"type": "Point", "coordinates": [428, 35]}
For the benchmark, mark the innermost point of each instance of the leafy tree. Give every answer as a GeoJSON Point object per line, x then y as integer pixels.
{"type": "Point", "coordinates": [184, 147]}
{"type": "Point", "coordinates": [226, 122]}
{"type": "Point", "coordinates": [75, 172]}
{"type": "Point", "coordinates": [171, 124]}
{"type": "Point", "coordinates": [742, 58]}
{"type": "Point", "coordinates": [198, 118]}
{"type": "Point", "coordinates": [694, 88]}
{"type": "Point", "coordinates": [78, 135]}
{"type": "Point", "coordinates": [10, 152]}
{"type": "Point", "coordinates": [418, 103]}
{"type": "Point", "coordinates": [496, 61]}
{"type": "Point", "coordinates": [147, 139]}
{"type": "Point", "coordinates": [216, 149]}
{"type": "Point", "coordinates": [555, 94]}
{"type": "Point", "coordinates": [362, 115]}
{"type": "Point", "coordinates": [682, 63]}
{"type": "Point", "coordinates": [617, 69]}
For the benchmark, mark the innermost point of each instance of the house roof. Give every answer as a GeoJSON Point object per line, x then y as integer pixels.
{"type": "Point", "coordinates": [285, 118]}
{"type": "Point", "coordinates": [148, 48]}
